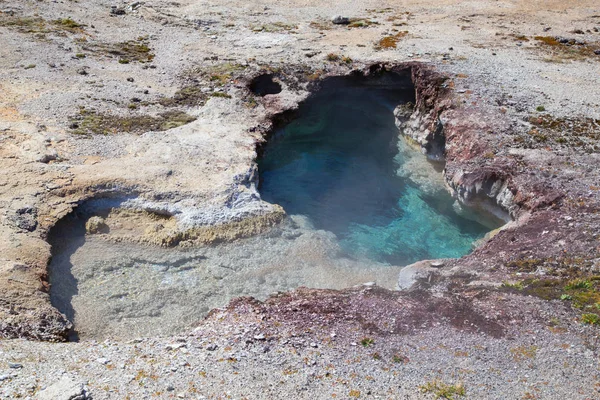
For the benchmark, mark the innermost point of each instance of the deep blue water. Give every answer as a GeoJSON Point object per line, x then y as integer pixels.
{"type": "Point", "coordinates": [337, 164]}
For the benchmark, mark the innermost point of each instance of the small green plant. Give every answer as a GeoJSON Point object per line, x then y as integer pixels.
{"type": "Point", "coordinates": [540, 109]}
{"type": "Point", "coordinates": [399, 359]}
{"type": "Point", "coordinates": [376, 356]}
{"type": "Point", "coordinates": [444, 391]}
{"type": "Point", "coordinates": [579, 284]}
{"type": "Point", "coordinates": [347, 60]}
{"type": "Point", "coordinates": [590, 319]}
{"type": "Point", "coordinates": [566, 297]}
{"type": "Point", "coordinates": [80, 55]}
{"type": "Point", "coordinates": [366, 342]}
{"type": "Point", "coordinates": [332, 57]}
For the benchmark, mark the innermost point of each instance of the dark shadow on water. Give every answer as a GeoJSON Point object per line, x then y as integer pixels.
{"type": "Point", "coordinates": [65, 238]}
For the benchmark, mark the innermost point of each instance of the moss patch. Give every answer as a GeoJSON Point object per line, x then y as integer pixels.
{"type": "Point", "coordinates": [567, 131]}
{"type": "Point", "coordinates": [582, 292]}
{"type": "Point", "coordinates": [562, 49]}
{"type": "Point", "coordinates": [189, 96]}
{"type": "Point", "coordinates": [125, 52]}
{"type": "Point", "coordinates": [442, 390]}
{"type": "Point", "coordinates": [217, 74]}
{"type": "Point", "coordinates": [91, 122]}
{"type": "Point", "coordinates": [390, 42]}
{"type": "Point", "coordinates": [67, 24]}
{"type": "Point", "coordinates": [40, 25]}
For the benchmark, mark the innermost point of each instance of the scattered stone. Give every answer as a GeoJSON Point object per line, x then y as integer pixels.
{"type": "Point", "coordinates": [340, 20]}
{"type": "Point", "coordinates": [175, 346]}
{"type": "Point", "coordinates": [260, 336]}
{"type": "Point", "coordinates": [15, 365]}
{"type": "Point", "coordinates": [4, 377]}
{"type": "Point", "coordinates": [64, 389]}
{"type": "Point", "coordinates": [130, 79]}
{"type": "Point", "coordinates": [597, 52]}
{"type": "Point", "coordinates": [96, 225]}
{"type": "Point", "coordinates": [25, 218]}
{"type": "Point", "coordinates": [211, 347]}
{"type": "Point", "coordinates": [117, 11]}
{"type": "Point", "coordinates": [47, 157]}
{"type": "Point", "coordinates": [103, 360]}
{"type": "Point", "coordinates": [313, 344]}
{"type": "Point", "coordinates": [170, 388]}
{"type": "Point", "coordinates": [134, 6]}
{"type": "Point", "coordinates": [437, 264]}
{"type": "Point", "coordinates": [82, 71]}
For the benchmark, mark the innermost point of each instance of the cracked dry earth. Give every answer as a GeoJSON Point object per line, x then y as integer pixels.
{"type": "Point", "coordinates": [145, 107]}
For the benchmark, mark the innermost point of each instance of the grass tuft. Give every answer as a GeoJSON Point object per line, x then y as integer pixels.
{"type": "Point", "coordinates": [444, 391]}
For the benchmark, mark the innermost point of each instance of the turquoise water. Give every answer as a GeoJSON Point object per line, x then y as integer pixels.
{"type": "Point", "coordinates": [337, 163]}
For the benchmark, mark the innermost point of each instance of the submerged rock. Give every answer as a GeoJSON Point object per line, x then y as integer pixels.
{"type": "Point", "coordinates": [96, 225]}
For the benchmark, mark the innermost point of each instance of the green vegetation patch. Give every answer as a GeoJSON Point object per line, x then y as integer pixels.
{"type": "Point", "coordinates": [188, 96]}
{"type": "Point", "coordinates": [67, 24]}
{"type": "Point", "coordinates": [590, 319]}
{"type": "Point", "coordinates": [582, 293]}
{"type": "Point", "coordinates": [568, 131]}
{"type": "Point", "coordinates": [39, 25]}
{"type": "Point", "coordinates": [90, 122]}
{"type": "Point", "coordinates": [129, 51]}
{"type": "Point", "coordinates": [442, 390]}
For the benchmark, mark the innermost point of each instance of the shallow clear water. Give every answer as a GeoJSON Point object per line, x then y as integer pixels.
{"type": "Point", "coordinates": [337, 163]}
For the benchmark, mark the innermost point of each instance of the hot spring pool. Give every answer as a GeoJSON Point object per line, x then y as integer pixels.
{"type": "Point", "coordinates": [361, 204]}
{"type": "Point", "coordinates": [339, 163]}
